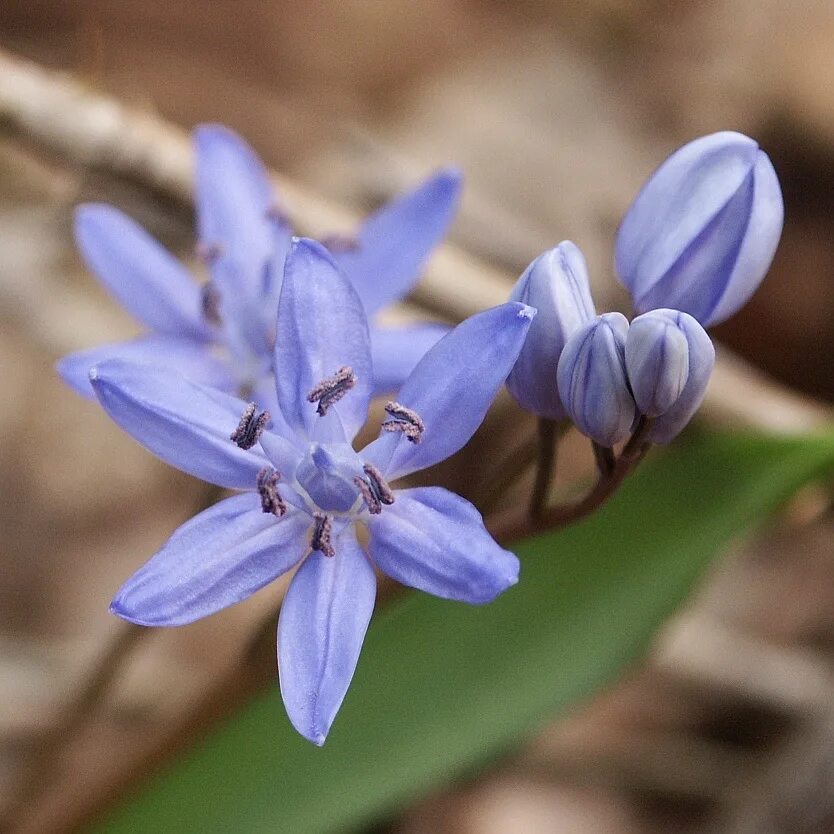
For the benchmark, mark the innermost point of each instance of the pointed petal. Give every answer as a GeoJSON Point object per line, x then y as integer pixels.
{"type": "Point", "coordinates": [452, 387]}
{"type": "Point", "coordinates": [321, 328]}
{"type": "Point", "coordinates": [434, 540]}
{"type": "Point", "coordinates": [394, 243]}
{"type": "Point", "coordinates": [186, 424]}
{"type": "Point", "coordinates": [235, 205]}
{"type": "Point", "coordinates": [397, 350]}
{"type": "Point", "coordinates": [320, 632]}
{"type": "Point", "coordinates": [192, 359]}
{"type": "Point", "coordinates": [139, 272]}
{"type": "Point", "coordinates": [216, 559]}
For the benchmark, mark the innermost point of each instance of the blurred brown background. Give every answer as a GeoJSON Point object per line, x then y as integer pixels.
{"type": "Point", "coordinates": [556, 112]}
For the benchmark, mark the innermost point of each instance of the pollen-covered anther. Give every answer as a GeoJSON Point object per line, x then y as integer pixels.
{"type": "Point", "coordinates": [210, 303]}
{"type": "Point", "coordinates": [322, 531]}
{"type": "Point", "coordinates": [341, 243]}
{"type": "Point", "coordinates": [404, 420]}
{"type": "Point", "coordinates": [209, 251]}
{"type": "Point", "coordinates": [332, 389]}
{"type": "Point", "coordinates": [374, 489]}
{"type": "Point", "coordinates": [250, 427]}
{"type": "Point", "coordinates": [271, 500]}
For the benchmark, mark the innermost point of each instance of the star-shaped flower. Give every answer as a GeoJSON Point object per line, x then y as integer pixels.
{"type": "Point", "coordinates": [308, 489]}
{"type": "Point", "coordinates": [222, 334]}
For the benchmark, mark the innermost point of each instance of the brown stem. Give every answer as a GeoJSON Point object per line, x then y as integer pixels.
{"type": "Point", "coordinates": [548, 436]}
{"type": "Point", "coordinates": [513, 525]}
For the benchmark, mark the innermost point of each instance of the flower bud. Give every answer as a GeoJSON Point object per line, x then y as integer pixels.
{"type": "Point", "coordinates": [592, 380]}
{"type": "Point", "coordinates": [703, 230]}
{"type": "Point", "coordinates": [556, 284]}
{"type": "Point", "coordinates": [669, 359]}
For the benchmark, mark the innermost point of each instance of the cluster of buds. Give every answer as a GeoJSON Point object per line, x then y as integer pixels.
{"type": "Point", "coordinates": [692, 248]}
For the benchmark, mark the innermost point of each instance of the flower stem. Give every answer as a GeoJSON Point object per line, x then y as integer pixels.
{"type": "Point", "coordinates": [548, 437]}
{"type": "Point", "coordinates": [513, 525]}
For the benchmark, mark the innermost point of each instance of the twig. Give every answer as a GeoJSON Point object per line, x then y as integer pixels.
{"type": "Point", "coordinates": [94, 130]}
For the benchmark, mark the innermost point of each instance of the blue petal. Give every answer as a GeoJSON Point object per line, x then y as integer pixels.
{"type": "Point", "coordinates": [218, 558]}
{"type": "Point", "coordinates": [394, 244]}
{"type": "Point", "coordinates": [235, 208]}
{"type": "Point", "coordinates": [701, 362]}
{"type": "Point", "coordinates": [592, 380]}
{"type": "Point", "coordinates": [192, 359]}
{"type": "Point", "coordinates": [452, 387]}
{"type": "Point", "coordinates": [143, 276]}
{"type": "Point", "coordinates": [676, 203]}
{"type": "Point", "coordinates": [185, 424]}
{"type": "Point", "coordinates": [397, 350]}
{"type": "Point", "coordinates": [557, 285]}
{"type": "Point", "coordinates": [434, 540]}
{"type": "Point", "coordinates": [320, 632]}
{"type": "Point", "coordinates": [703, 230]}
{"type": "Point", "coordinates": [321, 328]}
{"type": "Point", "coordinates": [755, 255]}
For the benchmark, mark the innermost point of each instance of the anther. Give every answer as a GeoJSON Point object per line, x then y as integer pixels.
{"type": "Point", "coordinates": [322, 529]}
{"type": "Point", "coordinates": [277, 214]}
{"type": "Point", "coordinates": [375, 491]}
{"type": "Point", "coordinates": [209, 252]}
{"type": "Point", "coordinates": [341, 243]}
{"type": "Point", "coordinates": [332, 389]}
{"type": "Point", "coordinates": [271, 500]}
{"type": "Point", "coordinates": [404, 420]}
{"type": "Point", "coordinates": [250, 427]}
{"type": "Point", "coordinates": [210, 303]}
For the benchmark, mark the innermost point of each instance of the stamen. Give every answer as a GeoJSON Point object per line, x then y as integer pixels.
{"type": "Point", "coordinates": [341, 243]}
{"type": "Point", "coordinates": [271, 500]}
{"type": "Point", "coordinates": [209, 251]}
{"type": "Point", "coordinates": [210, 303]}
{"type": "Point", "coordinates": [404, 420]}
{"type": "Point", "coordinates": [332, 389]}
{"type": "Point", "coordinates": [322, 529]}
{"type": "Point", "coordinates": [250, 427]}
{"type": "Point", "coordinates": [375, 491]}
{"type": "Point", "coordinates": [277, 214]}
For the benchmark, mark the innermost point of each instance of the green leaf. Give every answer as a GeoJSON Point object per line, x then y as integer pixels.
{"type": "Point", "coordinates": [442, 687]}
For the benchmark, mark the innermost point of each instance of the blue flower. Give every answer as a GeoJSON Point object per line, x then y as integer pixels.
{"type": "Point", "coordinates": [702, 232]}
{"type": "Point", "coordinates": [222, 334]}
{"type": "Point", "coordinates": [307, 489]}
{"type": "Point", "coordinates": [592, 380]}
{"type": "Point", "coordinates": [669, 358]}
{"type": "Point", "coordinates": [557, 285]}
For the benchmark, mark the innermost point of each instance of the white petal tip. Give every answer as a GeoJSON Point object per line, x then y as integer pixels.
{"type": "Point", "coordinates": [527, 312]}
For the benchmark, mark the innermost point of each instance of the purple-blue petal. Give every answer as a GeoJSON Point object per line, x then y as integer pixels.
{"type": "Point", "coordinates": [185, 424]}
{"type": "Point", "coordinates": [396, 352]}
{"type": "Point", "coordinates": [235, 212]}
{"type": "Point", "coordinates": [434, 540]}
{"type": "Point", "coordinates": [701, 362]}
{"type": "Point", "coordinates": [139, 272]}
{"type": "Point", "coordinates": [452, 387]}
{"type": "Point", "coordinates": [592, 380]}
{"type": "Point", "coordinates": [218, 558]}
{"type": "Point", "coordinates": [321, 328]}
{"type": "Point", "coordinates": [394, 243]}
{"type": "Point", "coordinates": [192, 359]}
{"type": "Point", "coordinates": [321, 628]}
{"type": "Point", "coordinates": [702, 232]}
{"type": "Point", "coordinates": [557, 285]}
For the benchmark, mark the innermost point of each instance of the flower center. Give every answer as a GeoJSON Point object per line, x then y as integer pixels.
{"type": "Point", "coordinates": [326, 474]}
